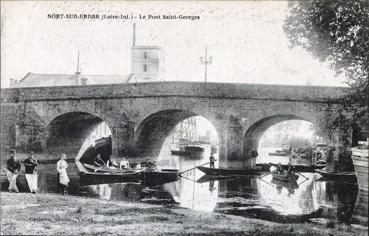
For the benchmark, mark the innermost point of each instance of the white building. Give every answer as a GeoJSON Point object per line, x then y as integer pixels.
{"type": "Point", "coordinates": [147, 65]}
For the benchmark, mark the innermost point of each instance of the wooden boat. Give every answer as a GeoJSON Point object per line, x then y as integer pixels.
{"type": "Point", "coordinates": [360, 160]}
{"type": "Point", "coordinates": [158, 177]}
{"type": "Point", "coordinates": [302, 168]}
{"type": "Point", "coordinates": [285, 177]}
{"type": "Point", "coordinates": [229, 171]}
{"type": "Point", "coordinates": [278, 154]}
{"type": "Point", "coordinates": [346, 175]}
{"type": "Point", "coordinates": [90, 175]}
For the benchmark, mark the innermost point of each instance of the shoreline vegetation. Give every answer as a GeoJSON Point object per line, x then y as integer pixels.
{"type": "Point", "coordinates": [53, 214]}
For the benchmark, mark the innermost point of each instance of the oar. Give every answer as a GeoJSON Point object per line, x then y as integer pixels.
{"type": "Point", "coordinates": [264, 175]}
{"type": "Point", "coordinates": [302, 175]}
{"type": "Point", "coordinates": [192, 168]}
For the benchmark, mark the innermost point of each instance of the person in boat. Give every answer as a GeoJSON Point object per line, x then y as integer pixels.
{"type": "Point", "coordinates": [212, 160]}
{"type": "Point", "coordinates": [98, 161]}
{"type": "Point", "coordinates": [111, 163]}
{"type": "Point", "coordinates": [335, 164]}
{"type": "Point", "coordinates": [13, 167]}
{"type": "Point", "coordinates": [150, 165]}
{"type": "Point", "coordinates": [254, 155]}
{"type": "Point", "coordinates": [290, 168]}
{"type": "Point", "coordinates": [280, 169]}
{"type": "Point", "coordinates": [30, 164]}
{"type": "Point", "coordinates": [61, 167]}
{"type": "Point", "coordinates": [138, 166]}
{"type": "Point", "coordinates": [124, 164]}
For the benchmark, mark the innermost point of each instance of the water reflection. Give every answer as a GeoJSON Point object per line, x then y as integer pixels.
{"type": "Point", "coordinates": [262, 198]}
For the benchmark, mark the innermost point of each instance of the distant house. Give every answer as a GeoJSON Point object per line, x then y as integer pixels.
{"type": "Point", "coordinates": [49, 80]}
{"type": "Point", "coordinates": [147, 65]}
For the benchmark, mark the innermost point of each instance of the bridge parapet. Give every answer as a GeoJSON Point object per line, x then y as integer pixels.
{"type": "Point", "coordinates": [184, 89]}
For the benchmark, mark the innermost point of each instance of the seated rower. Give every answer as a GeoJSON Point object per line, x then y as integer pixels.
{"type": "Point", "coordinates": [111, 164]}
{"type": "Point", "coordinates": [124, 164]}
{"type": "Point", "coordinates": [138, 166]}
{"type": "Point", "coordinates": [98, 161]}
{"type": "Point", "coordinates": [280, 169]}
{"type": "Point", "coordinates": [150, 165]}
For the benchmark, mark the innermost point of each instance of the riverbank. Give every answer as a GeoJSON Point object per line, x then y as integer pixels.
{"type": "Point", "coordinates": [52, 214]}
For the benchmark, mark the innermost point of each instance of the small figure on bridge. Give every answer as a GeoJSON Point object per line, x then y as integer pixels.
{"type": "Point", "coordinates": [254, 155]}
{"type": "Point", "coordinates": [212, 160]}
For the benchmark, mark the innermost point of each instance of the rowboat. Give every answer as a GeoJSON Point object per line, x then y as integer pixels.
{"type": "Point", "coordinates": [285, 176]}
{"type": "Point", "coordinates": [90, 175]}
{"type": "Point", "coordinates": [345, 175]}
{"type": "Point", "coordinates": [302, 168]}
{"type": "Point", "coordinates": [360, 161]}
{"type": "Point", "coordinates": [229, 171]}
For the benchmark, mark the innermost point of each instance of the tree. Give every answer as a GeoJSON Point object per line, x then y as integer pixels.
{"type": "Point", "coordinates": [337, 32]}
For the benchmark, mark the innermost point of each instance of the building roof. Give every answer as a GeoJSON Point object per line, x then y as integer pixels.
{"type": "Point", "coordinates": [146, 47]}
{"type": "Point", "coordinates": [48, 80]}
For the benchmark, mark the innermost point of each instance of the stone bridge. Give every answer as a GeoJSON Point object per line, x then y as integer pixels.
{"type": "Point", "coordinates": [52, 120]}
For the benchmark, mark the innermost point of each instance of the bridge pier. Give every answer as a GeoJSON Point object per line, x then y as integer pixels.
{"type": "Point", "coordinates": [340, 140]}
{"type": "Point", "coordinates": [122, 140]}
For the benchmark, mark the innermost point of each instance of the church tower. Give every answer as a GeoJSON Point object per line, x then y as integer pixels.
{"type": "Point", "coordinates": [147, 62]}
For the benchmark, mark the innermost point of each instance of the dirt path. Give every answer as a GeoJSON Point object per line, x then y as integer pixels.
{"type": "Point", "coordinates": [51, 214]}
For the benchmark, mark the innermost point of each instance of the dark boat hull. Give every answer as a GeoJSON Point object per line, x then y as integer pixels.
{"type": "Point", "coordinates": [286, 178]}
{"type": "Point", "coordinates": [348, 176]}
{"type": "Point", "coordinates": [152, 178]}
{"type": "Point", "coordinates": [95, 175]}
{"type": "Point", "coordinates": [88, 177]}
{"type": "Point", "coordinates": [226, 171]}
{"type": "Point", "coordinates": [302, 168]}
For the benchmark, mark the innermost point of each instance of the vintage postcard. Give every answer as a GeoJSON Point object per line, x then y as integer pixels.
{"type": "Point", "coordinates": [184, 117]}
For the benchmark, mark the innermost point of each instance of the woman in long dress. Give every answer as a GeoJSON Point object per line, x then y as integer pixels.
{"type": "Point", "coordinates": [61, 167]}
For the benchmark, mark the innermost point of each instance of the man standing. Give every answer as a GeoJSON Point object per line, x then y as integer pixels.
{"type": "Point", "coordinates": [13, 167]}
{"type": "Point", "coordinates": [212, 160]}
{"type": "Point", "coordinates": [30, 163]}
{"type": "Point", "coordinates": [254, 154]}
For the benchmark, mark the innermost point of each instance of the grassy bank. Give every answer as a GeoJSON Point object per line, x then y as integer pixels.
{"type": "Point", "coordinates": [51, 214]}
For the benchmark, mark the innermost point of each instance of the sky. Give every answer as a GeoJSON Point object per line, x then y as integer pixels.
{"type": "Point", "coordinates": [245, 40]}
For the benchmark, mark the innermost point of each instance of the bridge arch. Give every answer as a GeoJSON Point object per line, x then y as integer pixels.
{"type": "Point", "coordinates": [67, 132]}
{"type": "Point", "coordinates": [152, 131]}
{"type": "Point", "coordinates": [256, 130]}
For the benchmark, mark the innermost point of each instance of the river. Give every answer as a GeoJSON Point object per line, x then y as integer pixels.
{"type": "Point", "coordinates": [261, 197]}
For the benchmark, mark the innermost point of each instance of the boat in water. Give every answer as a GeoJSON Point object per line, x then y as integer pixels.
{"type": "Point", "coordinates": [91, 175]}
{"type": "Point", "coordinates": [302, 167]}
{"type": "Point", "coordinates": [284, 176]}
{"type": "Point", "coordinates": [231, 171]}
{"type": "Point", "coordinates": [342, 176]}
{"type": "Point", "coordinates": [360, 160]}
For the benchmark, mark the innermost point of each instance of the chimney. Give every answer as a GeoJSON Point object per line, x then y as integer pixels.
{"type": "Point", "coordinates": [134, 35]}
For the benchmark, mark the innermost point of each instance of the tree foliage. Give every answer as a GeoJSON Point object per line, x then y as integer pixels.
{"type": "Point", "coordinates": [336, 31]}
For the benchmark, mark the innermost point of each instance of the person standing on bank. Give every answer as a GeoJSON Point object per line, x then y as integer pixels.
{"type": "Point", "coordinates": [254, 155]}
{"type": "Point", "coordinates": [61, 167]}
{"type": "Point", "coordinates": [30, 164]}
{"type": "Point", "coordinates": [13, 167]}
{"type": "Point", "coordinates": [212, 160]}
